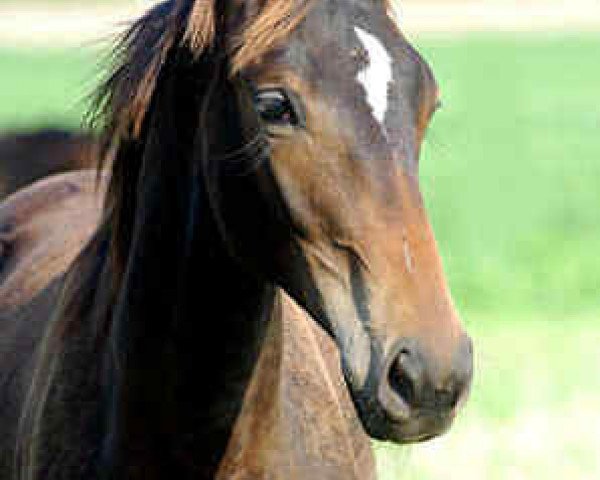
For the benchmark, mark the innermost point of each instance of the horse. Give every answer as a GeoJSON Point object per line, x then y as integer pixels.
{"type": "Point", "coordinates": [255, 147]}
{"type": "Point", "coordinates": [26, 156]}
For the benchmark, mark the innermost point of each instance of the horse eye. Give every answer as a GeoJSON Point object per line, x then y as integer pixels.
{"type": "Point", "coordinates": [275, 108]}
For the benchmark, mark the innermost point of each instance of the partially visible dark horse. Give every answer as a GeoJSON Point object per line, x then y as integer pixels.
{"type": "Point", "coordinates": [29, 156]}
{"type": "Point", "coordinates": [254, 146]}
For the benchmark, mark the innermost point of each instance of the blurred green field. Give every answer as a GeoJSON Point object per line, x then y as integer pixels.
{"type": "Point", "coordinates": [40, 87]}
{"type": "Point", "coordinates": [511, 171]}
{"type": "Point", "coordinates": [511, 176]}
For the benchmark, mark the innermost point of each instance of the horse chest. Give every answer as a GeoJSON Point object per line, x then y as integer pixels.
{"type": "Point", "coordinates": [298, 422]}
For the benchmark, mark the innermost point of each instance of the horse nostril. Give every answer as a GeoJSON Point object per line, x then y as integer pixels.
{"type": "Point", "coordinates": [401, 378]}
{"type": "Point", "coordinates": [418, 383]}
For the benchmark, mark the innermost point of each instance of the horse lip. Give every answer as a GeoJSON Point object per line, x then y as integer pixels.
{"type": "Point", "coordinates": [422, 438]}
{"type": "Point", "coordinates": [419, 427]}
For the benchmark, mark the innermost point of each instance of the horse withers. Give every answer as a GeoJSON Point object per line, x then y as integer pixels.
{"type": "Point", "coordinates": [253, 146]}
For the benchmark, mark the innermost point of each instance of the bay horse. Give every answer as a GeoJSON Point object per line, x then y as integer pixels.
{"type": "Point", "coordinates": [255, 147]}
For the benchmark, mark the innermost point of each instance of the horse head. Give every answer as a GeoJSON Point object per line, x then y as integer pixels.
{"type": "Point", "coordinates": [312, 115]}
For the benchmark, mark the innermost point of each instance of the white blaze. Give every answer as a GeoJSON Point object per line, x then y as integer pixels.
{"type": "Point", "coordinates": [377, 76]}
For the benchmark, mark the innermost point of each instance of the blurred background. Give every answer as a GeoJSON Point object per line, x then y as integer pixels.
{"type": "Point", "coordinates": [511, 176]}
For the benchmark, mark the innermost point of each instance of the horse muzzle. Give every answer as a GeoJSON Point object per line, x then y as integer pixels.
{"type": "Point", "coordinates": [416, 398]}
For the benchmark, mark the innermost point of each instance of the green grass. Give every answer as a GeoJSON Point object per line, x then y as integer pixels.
{"type": "Point", "coordinates": [511, 177]}
{"type": "Point", "coordinates": [44, 87]}
{"type": "Point", "coordinates": [511, 171]}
